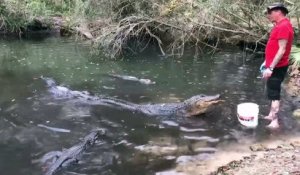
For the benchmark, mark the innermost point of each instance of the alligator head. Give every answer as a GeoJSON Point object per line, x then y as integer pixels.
{"type": "Point", "coordinates": [94, 136]}
{"type": "Point", "coordinates": [200, 104]}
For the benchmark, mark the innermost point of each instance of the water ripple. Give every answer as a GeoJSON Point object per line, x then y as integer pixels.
{"type": "Point", "coordinates": [204, 138]}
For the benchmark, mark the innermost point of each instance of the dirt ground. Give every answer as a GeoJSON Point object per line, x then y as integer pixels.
{"type": "Point", "coordinates": [279, 156]}
{"type": "Point", "coordinates": [282, 160]}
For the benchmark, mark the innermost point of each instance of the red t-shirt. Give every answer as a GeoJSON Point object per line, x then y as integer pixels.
{"type": "Point", "coordinates": [282, 30]}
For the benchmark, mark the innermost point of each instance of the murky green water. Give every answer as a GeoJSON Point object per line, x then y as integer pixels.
{"type": "Point", "coordinates": [25, 103]}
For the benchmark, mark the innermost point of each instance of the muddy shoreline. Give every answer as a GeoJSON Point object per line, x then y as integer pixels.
{"type": "Point", "coordinates": [265, 157]}
{"type": "Point", "coordinates": [280, 157]}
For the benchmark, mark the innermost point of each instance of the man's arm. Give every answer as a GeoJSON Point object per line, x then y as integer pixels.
{"type": "Point", "coordinates": [282, 46]}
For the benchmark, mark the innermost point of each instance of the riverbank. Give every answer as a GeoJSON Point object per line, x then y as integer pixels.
{"type": "Point", "coordinates": [277, 155]}
{"type": "Point", "coordinates": [131, 27]}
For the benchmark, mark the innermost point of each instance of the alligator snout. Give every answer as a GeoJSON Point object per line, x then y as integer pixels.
{"type": "Point", "coordinates": [203, 104]}
{"type": "Point", "coordinates": [101, 131]}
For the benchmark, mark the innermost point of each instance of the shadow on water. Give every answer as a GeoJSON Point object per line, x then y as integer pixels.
{"type": "Point", "coordinates": [135, 142]}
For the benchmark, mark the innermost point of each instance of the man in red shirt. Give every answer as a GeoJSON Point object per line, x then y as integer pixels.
{"type": "Point", "coordinates": [277, 57]}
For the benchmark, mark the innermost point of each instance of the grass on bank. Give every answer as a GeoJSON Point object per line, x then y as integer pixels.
{"type": "Point", "coordinates": [16, 15]}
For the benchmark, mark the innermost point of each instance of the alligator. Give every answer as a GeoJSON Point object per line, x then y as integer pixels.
{"type": "Point", "coordinates": [62, 92]}
{"type": "Point", "coordinates": [196, 105]}
{"type": "Point", "coordinates": [55, 160]}
{"type": "Point", "coordinates": [132, 78]}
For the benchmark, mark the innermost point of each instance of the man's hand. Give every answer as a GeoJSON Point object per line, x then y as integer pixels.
{"type": "Point", "coordinates": [267, 73]}
{"type": "Point", "coordinates": [262, 67]}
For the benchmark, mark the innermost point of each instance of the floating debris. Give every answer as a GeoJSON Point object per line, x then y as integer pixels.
{"type": "Point", "coordinates": [170, 123]}
{"type": "Point", "coordinates": [54, 129]}
{"type": "Point", "coordinates": [132, 78]}
{"type": "Point", "coordinates": [184, 129]}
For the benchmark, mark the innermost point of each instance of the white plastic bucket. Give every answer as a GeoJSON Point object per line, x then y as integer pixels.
{"type": "Point", "coordinates": [248, 114]}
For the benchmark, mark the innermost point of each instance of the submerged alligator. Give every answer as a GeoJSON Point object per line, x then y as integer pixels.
{"type": "Point", "coordinates": [62, 92]}
{"type": "Point", "coordinates": [132, 78]}
{"type": "Point", "coordinates": [193, 106]}
{"type": "Point", "coordinates": [55, 160]}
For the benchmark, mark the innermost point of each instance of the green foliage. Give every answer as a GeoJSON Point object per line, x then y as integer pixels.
{"type": "Point", "coordinates": [295, 55]}
{"type": "Point", "coordinates": [172, 23]}
{"type": "Point", "coordinates": [15, 15]}
{"type": "Point", "coordinates": [38, 8]}
{"type": "Point", "coordinates": [12, 17]}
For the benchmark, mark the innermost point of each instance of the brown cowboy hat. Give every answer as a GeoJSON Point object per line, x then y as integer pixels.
{"type": "Point", "coordinates": [277, 6]}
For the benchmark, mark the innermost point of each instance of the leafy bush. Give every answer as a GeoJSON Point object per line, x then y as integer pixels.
{"type": "Point", "coordinates": [172, 24]}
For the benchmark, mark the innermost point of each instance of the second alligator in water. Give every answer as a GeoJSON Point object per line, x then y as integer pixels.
{"type": "Point", "coordinates": [196, 105]}
{"type": "Point", "coordinates": [132, 78]}
{"type": "Point", "coordinates": [69, 156]}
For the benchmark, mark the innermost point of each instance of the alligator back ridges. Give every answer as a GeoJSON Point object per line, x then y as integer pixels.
{"type": "Point", "coordinates": [71, 155]}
